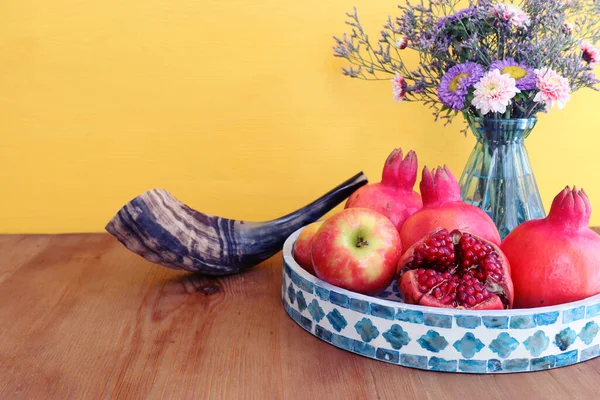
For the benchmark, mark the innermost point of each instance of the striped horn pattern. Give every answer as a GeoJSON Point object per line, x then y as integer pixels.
{"type": "Point", "coordinates": [165, 231]}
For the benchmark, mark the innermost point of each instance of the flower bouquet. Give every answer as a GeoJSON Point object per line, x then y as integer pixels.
{"type": "Point", "coordinates": [497, 64]}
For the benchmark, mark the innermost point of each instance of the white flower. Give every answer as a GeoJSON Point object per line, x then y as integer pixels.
{"type": "Point", "coordinates": [399, 87]}
{"type": "Point", "coordinates": [401, 43]}
{"type": "Point", "coordinates": [513, 14]}
{"type": "Point", "coordinates": [590, 54]}
{"type": "Point", "coordinates": [569, 27]}
{"type": "Point", "coordinates": [494, 92]}
{"type": "Point", "coordinates": [553, 88]}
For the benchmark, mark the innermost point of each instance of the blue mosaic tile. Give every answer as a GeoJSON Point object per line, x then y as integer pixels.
{"type": "Point", "coordinates": [494, 365]}
{"type": "Point", "coordinates": [468, 321]}
{"type": "Point", "coordinates": [589, 353]}
{"type": "Point", "coordinates": [295, 277]}
{"type": "Point", "coordinates": [568, 358]}
{"type": "Point", "coordinates": [323, 333]}
{"type": "Point", "coordinates": [574, 314]}
{"type": "Point", "coordinates": [380, 311]}
{"type": "Point", "coordinates": [416, 317]}
{"type": "Point", "coordinates": [300, 319]}
{"type": "Point", "coordinates": [301, 301]}
{"type": "Point", "coordinates": [337, 320]}
{"type": "Point", "coordinates": [503, 345]}
{"type": "Point", "coordinates": [339, 299]}
{"type": "Point", "coordinates": [589, 332]}
{"type": "Point", "coordinates": [359, 305]}
{"type": "Point", "coordinates": [409, 360]}
{"type": "Point", "coordinates": [439, 364]}
{"type": "Point", "coordinates": [546, 318]}
{"type": "Point", "coordinates": [316, 311]}
{"type": "Point", "coordinates": [469, 345]}
{"type": "Point", "coordinates": [366, 329]}
{"type": "Point", "coordinates": [432, 341]}
{"type": "Point", "coordinates": [288, 270]}
{"type": "Point", "coordinates": [305, 285]}
{"type": "Point", "coordinates": [388, 355]}
{"type": "Point", "coordinates": [495, 322]}
{"type": "Point", "coordinates": [472, 365]}
{"type": "Point", "coordinates": [363, 348]}
{"type": "Point", "coordinates": [592, 311]}
{"type": "Point", "coordinates": [565, 338]}
{"type": "Point", "coordinates": [342, 341]}
{"type": "Point", "coordinates": [537, 343]}
{"type": "Point", "coordinates": [291, 294]}
{"type": "Point", "coordinates": [516, 365]}
{"type": "Point", "coordinates": [538, 364]}
{"type": "Point", "coordinates": [396, 337]}
{"type": "Point", "coordinates": [437, 320]}
{"type": "Point", "coordinates": [522, 322]}
{"type": "Point", "coordinates": [322, 294]}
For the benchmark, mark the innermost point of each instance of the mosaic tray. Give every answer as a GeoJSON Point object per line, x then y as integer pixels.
{"type": "Point", "coordinates": [386, 329]}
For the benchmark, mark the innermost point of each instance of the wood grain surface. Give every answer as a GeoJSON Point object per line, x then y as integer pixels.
{"type": "Point", "coordinates": [81, 317]}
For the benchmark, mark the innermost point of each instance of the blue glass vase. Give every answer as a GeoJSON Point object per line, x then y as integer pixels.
{"type": "Point", "coordinates": [498, 177]}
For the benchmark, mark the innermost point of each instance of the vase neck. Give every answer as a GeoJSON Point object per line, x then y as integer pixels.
{"type": "Point", "coordinates": [501, 130]}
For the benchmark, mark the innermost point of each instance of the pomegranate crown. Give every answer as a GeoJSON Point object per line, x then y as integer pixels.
{"type": "Point", "coordinates": [571, 208]}
{"type": "Point", "coordinates": [398, 172]}
{"type": "Point", "coordinates": [439, 186]}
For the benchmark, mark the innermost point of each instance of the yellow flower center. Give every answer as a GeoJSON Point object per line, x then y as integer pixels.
{"type": "Point", "coordinates": [454, 84]}
{"type": "Point", "coordinates": [515, 72]}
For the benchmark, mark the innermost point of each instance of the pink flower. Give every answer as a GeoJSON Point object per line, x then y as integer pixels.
{"type": "Point", "coordinates": [494, 92]}
{"type": "Point", "coordinates": [513, 14]}
{"type": "Point", "coordinates": [553, 88]}
{"type": "Point", "coordinates": [399, 87]}
{"type": "Point", "coordinates": [590, 54]}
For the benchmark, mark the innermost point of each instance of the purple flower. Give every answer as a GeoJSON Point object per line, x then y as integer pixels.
{"type": "Point", "coordinates": [456, 82]}
{"type": "Point", "coordinates": [521, 73]}
{"type": "Point", "coordinates": [459, 15]}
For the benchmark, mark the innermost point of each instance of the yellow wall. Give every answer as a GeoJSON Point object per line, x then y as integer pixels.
{"type": "Point", "coordinates": [237, 107]}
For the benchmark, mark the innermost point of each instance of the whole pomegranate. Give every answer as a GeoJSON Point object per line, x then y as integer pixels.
{"type": "Point", "coordinates": [443, 208]}
{"type": "Point", "coordinates": [555, 260]}
{"type": "Point", "coordinates": [303, 246]}
{"type": "Point", "coordinates": [394, 196]}
{"type": "Point", "coordinates": [455, 270]}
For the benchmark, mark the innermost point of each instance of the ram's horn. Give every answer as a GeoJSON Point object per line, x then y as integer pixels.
{"type": "Point", "coordinates": [163, 230]}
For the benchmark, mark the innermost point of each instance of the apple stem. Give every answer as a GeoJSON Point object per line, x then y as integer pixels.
{"type": "Point", "coordinates": [361, 242]}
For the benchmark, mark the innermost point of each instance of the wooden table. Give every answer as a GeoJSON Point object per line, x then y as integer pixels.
{"type": "Point", "coordinates": [81, 317]}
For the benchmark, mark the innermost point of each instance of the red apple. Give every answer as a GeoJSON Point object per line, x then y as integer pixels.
{"type": "Point", "coordinates": [303, 245]}
{"type": "Point", "coordinates": [357, 249]}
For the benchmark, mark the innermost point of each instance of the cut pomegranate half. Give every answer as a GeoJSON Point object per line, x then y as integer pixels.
{"type": "Point", "coordinates": [455, 270]}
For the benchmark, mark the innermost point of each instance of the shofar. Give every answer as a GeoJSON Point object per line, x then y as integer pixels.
{"type": "Point", "coordinates": [165, 231]}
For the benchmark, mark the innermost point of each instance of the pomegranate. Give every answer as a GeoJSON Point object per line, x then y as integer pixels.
{"type": "Point", "coordinates": [443, 208]}
{"type": "Point", "coordinates": [455, 270]}
{"type": "Point", "coordinates": [303, 246]}
{"type": "Point", "coordinates": [394, 196]}
{"type": "Point", "coordinates": [555, 260]}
